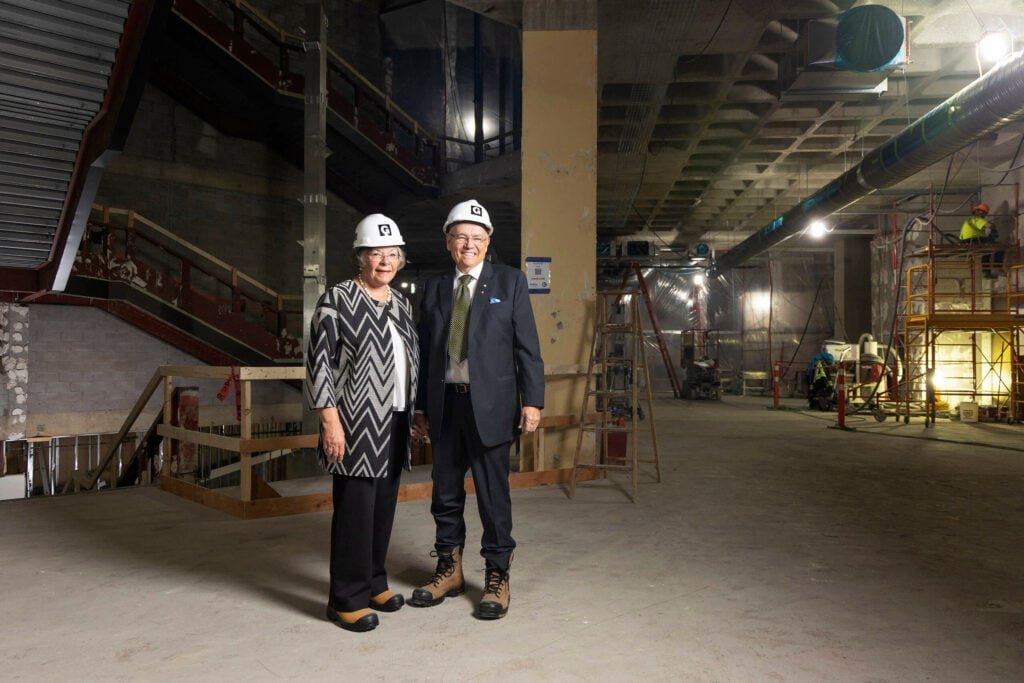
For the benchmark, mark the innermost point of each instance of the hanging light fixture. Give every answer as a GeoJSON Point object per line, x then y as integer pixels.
{"type": "Point", "coordinates": [992, 47]}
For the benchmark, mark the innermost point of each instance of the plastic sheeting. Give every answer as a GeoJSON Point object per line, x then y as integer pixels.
{"type": "Point", "coordinates": [778, 310]}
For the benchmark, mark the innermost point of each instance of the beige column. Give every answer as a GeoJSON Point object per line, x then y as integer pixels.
{"type": "Point", "coordinates": [559, 196]}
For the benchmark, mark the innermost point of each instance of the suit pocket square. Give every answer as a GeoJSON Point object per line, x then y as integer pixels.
{"type": "Point", "coordinates": [495, 300]}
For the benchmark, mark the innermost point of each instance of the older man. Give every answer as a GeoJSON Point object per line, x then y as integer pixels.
{"type": "Point", "coordinates": [481, 379]}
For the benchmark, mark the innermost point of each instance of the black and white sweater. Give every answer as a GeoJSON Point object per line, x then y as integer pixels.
{"type": "Point", "coordinates": [350, 365]}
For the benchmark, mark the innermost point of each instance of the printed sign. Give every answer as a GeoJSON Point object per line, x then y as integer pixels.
{"type": "Point", "coordinates": [538, 274]}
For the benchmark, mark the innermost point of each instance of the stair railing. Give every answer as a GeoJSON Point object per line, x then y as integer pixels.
{"type": "Point", "coordinates": [270, 52]}
{"type": "Point", "coordinates": [125, 246]}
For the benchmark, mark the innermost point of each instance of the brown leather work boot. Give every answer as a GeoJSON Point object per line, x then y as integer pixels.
{"type": "Point", "coordinates": [447, 581]}
{"type": "Point", "coordinates": [494, 603]}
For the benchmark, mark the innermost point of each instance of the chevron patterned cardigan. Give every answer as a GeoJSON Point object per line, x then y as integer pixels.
{"type": "Point", "coordinates": [350, 365]}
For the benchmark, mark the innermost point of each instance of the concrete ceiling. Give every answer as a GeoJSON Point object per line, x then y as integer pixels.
{"type": "Point", "coordinates": [712, 122]}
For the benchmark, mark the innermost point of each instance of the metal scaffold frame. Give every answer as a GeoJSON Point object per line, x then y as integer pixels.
{"type": "Point", "coordinates": [963, 332]}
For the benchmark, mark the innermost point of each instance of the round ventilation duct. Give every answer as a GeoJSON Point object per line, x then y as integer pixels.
{"type": "Point", "coordinates": [868, 38]}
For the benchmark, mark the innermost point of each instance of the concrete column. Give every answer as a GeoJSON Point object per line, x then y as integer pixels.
{"type": "Point", "coordinates": [852, 278]}
{"type": "Point", "coordinates": [559, 194]}
{"type": "Point", "coordinates": [314, 195]}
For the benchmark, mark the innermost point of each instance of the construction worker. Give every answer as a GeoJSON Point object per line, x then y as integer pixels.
{"type": "Point", "coordinates": [977, 229]}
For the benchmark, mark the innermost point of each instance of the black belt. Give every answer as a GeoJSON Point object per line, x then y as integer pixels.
{"type": "Point", "coordinates": [458, 387]}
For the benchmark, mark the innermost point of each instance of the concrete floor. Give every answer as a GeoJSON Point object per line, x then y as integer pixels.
{"type": "Point", "coordinates": [774, 549]}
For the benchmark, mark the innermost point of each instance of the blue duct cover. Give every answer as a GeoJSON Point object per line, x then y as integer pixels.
{"type": "Point", "coordinates": [868, 38]}
{"type": "Point", "coordinates": [987, 104]}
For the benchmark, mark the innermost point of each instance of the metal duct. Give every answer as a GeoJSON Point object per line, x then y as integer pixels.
{"type": "Point", "coordinates": [992, 101]}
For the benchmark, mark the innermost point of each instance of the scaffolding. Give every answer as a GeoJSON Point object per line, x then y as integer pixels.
{"type": "Point", "coordinates": [963, 330]}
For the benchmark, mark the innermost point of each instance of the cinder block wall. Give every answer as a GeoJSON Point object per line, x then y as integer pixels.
{"type": "Point", "coordinates": [87, 368]}
{"type": "Point", "coordinates": [233, 198]}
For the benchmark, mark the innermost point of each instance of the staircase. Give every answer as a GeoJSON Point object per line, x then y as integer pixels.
{"type": "Point", "coordinates": [242, 73]}
{"type": "Point", "coordinates": [146, 275]}
{"type": "Point", "coordinates": [70, 75]}
{"type": "Point", "coordinates": [66, 77]}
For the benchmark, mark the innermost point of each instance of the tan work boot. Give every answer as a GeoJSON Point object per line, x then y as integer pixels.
{"type": "Point", "coordinates": [494, 603]}
{"type": "Point", "coordinates": [447, 581]}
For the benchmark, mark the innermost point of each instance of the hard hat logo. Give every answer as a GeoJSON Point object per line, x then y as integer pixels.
{"type": "Point", "coordinates": [476, 210]}
{"type": "Point", "coordinates": [384, 229]}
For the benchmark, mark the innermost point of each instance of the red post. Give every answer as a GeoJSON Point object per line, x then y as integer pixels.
{"type": "Point", "coordinates": [775, 384]}
{"type": "Point", "coordinates": [841, 395]}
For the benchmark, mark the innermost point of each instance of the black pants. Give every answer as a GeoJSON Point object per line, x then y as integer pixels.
{"type": "Point", "coordinates": [364, 512]}
{"type": "Point", "coordinates": [990, 260]}
{"type": "Point", "coordinates": [457, 450]}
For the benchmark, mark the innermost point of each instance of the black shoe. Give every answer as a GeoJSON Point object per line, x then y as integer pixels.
{"type": "Point", "coordinates": [367, 622]}
{"type": "Point", "coordinates": [392, 604]}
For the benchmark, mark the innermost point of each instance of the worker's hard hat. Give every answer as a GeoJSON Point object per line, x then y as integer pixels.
{"type": "Point", "coordinates": [981, 207]}
{"type": "Point", "coordinates": [469, 211]}
{"type": "Point", "coordinates": [377, 230]}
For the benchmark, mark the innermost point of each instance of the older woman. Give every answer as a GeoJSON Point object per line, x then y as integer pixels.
{"type": "Point", "coordinates": [361, 375]}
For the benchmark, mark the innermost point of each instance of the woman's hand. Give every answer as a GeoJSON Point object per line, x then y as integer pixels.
{"type": "Point", "coordinates": [332, 437]}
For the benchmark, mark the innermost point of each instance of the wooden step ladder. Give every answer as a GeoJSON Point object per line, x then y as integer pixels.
{"type": "Point", "coordinates": [615, 371]}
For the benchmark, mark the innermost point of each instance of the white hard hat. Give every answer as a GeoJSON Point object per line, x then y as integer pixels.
{"type": "Point", "coordinates": [469, 211]}
{"type": "Point", "coordinates": [377, 230]}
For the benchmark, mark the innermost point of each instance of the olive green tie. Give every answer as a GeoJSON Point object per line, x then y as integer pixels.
{"type": "Point", "coordinates": [458, 343]}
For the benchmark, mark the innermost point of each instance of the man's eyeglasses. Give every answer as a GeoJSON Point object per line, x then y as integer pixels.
{"type": "Point", "coordinates": [381, 255]}
{"type": "Point", "coordinates": [469, 239]}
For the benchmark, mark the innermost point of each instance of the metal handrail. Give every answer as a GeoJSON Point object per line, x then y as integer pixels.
{"type": "Point", "coordinates": [237, 303]}
{"type": "Point", "coordinates": [87, 447]}
{"type": "Point", "coordinates": [272, 64]}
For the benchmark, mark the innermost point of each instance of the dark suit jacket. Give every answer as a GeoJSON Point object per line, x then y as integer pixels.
{"type": "Point", "coordinates": [505, 366]}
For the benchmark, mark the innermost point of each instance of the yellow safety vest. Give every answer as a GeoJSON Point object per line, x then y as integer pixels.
{"type": "Point", "coordinates": [973, 228]}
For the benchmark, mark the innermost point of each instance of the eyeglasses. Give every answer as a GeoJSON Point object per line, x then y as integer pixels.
{"type": "Point", "coordinates": [469, 239]}
{"type": "Point", "coordinates": [382, 255]}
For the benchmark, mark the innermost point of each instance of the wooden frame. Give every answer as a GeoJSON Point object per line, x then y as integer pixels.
{"type": "Point", "coordinates": [258, 499]}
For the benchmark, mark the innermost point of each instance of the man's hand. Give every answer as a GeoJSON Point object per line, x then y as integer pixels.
{"type": "Point", "coordinates": [530, 419]}
{"type": "Point", "coordinates": [420, 427]}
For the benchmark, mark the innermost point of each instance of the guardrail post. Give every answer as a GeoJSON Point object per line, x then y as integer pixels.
{"type": "Point", "coordinates": [775, 383]}
{"type": "Point", "coordinates": [245, 464]}
{"type": "Point", "coordinates": [168, 419]}
{"type": "Point", "coordinates": [841, 395]}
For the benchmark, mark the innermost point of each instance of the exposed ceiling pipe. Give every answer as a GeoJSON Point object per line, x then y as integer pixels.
{"type": "Point", "coordinates": [992, 101]}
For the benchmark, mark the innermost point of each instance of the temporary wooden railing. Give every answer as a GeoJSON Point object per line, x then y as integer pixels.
{"type": "Point", "coordinates": [243, 444]}
{"type": "Point", "coordinates": [553, 422]}
{"type": "Point", "coordinates": [256, 497]}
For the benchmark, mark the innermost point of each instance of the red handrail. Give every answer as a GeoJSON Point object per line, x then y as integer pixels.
{"type": "Point", "coordinates": [227, 301]}
{"type": "Point", "coordinates": [350, 96]}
